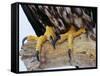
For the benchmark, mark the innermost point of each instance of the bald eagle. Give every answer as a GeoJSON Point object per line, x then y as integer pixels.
{"type": "Point", "coordinates": [56, 24]}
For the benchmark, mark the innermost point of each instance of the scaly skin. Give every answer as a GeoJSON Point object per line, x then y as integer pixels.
{"type": "Point", "coordinates": [70, 35]}
{"type": "Point", "coordinates": [49, 33]}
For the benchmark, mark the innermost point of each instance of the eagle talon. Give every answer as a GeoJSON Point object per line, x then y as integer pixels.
{"type": "Point", "coordinates": [70, 57]}
{"type": "Point", "coordinates": [48, 35]}
{"type": "Point", "coordinates": [29, 38]}
{"type": "Point", "coordinates": [70, 35]}
{"type": "Point", "coordinates": [25, 38]}
{"type": "Point", "coordinates": [38, 55]}
{"type": "Point", "coordinates": [52, 42]}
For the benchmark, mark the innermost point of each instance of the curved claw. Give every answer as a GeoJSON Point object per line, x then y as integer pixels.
{"type": "Point", "coordinates": [70, 57]}
{"type": "Point", "coordinates": [37, 55]}
{"type": "Point", "coordinates": [29, 38]}
{"type": "Point", "coordinates": [25, 38]}
{"type": "Point", "coordinates": [53, 41]}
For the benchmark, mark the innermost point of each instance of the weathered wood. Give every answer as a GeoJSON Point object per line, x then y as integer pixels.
{"type": "Point", "coordinates": [83, 54]}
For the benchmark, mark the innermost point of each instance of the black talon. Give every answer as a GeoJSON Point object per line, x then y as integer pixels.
{"type": "Point", "coordinates": [37, 55]}
{"type": "Point", "coordinates": [23, 40]}
{"type": "Point", "coordinates": [70, 58]}
{"type": "Point", "coordinates": [53, 41]}
{"type": "Point", "coordinates": [69, 54]}
{"type": "Point", "coordinates": [34, 58]}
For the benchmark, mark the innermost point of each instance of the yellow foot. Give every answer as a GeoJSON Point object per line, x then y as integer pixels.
{"type": "Point", "coordinates": [50, 32]}
{"type": "Point", "coordinates": [40, 41]}
{"type": "Point", "coordinates": [48, 35]}
{"type": "Point", "coordinates": [70, 35]}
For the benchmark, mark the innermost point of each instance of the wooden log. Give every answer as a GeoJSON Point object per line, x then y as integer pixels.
{"type": "Point", "coordinates": [83, 54]}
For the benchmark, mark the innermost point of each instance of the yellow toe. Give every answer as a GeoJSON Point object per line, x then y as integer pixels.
{"type": "Point", "coordinates": [31, 38]}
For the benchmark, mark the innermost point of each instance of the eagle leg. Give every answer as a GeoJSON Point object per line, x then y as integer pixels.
{"type": "Point", "coordinates": [70, 35]}
{"type": "Point", "coordinates": [39, 43]}
{"type": "Point", "coordinates": [49, 35]}
{"type": "Point", "coordinates": [70, 47]}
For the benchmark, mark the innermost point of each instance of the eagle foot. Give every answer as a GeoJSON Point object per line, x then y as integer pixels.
{"type": "Point", "coordinates": [70, 35]}
{"type": "Point", "coordinates": [49, 35]}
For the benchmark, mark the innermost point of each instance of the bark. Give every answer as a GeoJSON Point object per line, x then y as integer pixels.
{"type": "Point", "coordinates": [83, 54]}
